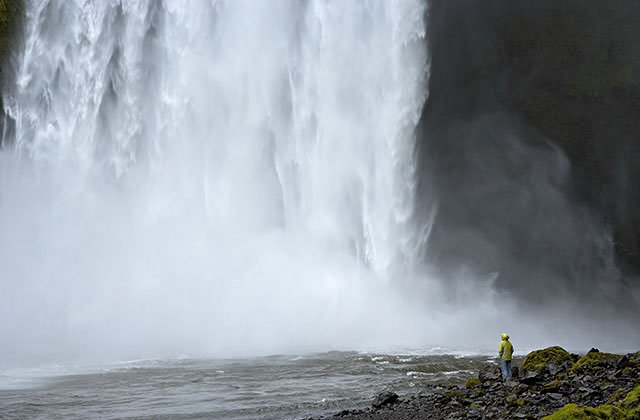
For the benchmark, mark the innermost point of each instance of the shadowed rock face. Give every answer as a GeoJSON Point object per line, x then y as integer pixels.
{"type": "Point", "coordinates": [531, 140]}
{"type": "Point", "coordinates": [11, 20]}
{"type": "Point", "coordinates": [11, 16]}
{"type": "Point", "coordinates": [11, 12]}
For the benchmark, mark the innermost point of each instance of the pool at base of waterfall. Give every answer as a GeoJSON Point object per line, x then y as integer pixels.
{"type": "Point", "coordinates": [274, 387]}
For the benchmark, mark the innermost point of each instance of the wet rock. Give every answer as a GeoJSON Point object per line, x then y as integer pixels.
{"type": "Point", "coordinates": [495, 387]}
{"type": "Point", "coordinates": [490, 373]}
{"type": "Point", "coordinates": [511, 382]}
{"type": "Point", "coordinates": [555, 395]}
{"type": "Point", "coordinates": [385, 399]}
{"type": "Point", "coordinates": [531, 377]}
{"type": "Point", "coordinates": [552, 386]}
{"type": "Point", "coordinates": [623, 362]}
{"type": "Point", "coordinates": [521, 388]}
{"type": "Point", "coordinates": [550, 389]}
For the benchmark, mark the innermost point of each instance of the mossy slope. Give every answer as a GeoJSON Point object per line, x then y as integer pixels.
{"type": "Point", "coordinates": [628, 409]}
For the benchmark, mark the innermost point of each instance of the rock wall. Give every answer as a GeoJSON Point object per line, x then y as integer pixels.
{"type": "Point", "coordinates": [530, 137]}
{"type": "Point", "coordinates": [11, 18]}
{"type": "Point", "coordinates": [573, 72]}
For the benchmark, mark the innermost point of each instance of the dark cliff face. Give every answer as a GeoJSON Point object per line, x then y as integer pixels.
{"type": "Point", "coordinates": [574, 74]}
{"type": "Point", "coordinates": [531, 140]}
{"type": "Point", "coordinates": [11, 18]}
{"type": "Point", "coordinates": [11, 21]}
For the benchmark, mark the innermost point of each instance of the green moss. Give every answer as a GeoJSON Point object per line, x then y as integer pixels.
{"type": "Point", "coordinates": [594, 360]}
{"type": "Point", "coordinates": [452, 393]}
{"type": "Point", "coordinates": [616, 396]}
{"type": "Point", "coordinates": [515, 401]}
{"type": "Point", "coordinates": [628, 409]}
{"type": "Point", "coordinates": [553, 385]}
{"type": "Point", "coordinates": [576, 412]}
{"type": "Point", "coordinates": [539, 358]}
{"type": "Point", "coordinates": [632, 400]}
{"type": "Point", "coordinates": [633, 414]}
{"type": "Point", "coordinates": [472, 382]}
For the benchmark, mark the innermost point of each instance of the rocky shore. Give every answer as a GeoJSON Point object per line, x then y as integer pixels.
{"type": "Point", "coordinates": [550, 383]}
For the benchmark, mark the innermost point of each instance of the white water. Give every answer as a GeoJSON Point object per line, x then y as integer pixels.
{"type": "Point", "coordinates": [227, 178]}
{"type": "Point", "coordinates": [210, 176]}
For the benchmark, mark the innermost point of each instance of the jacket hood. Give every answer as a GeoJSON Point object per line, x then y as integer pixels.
{"type": "Point", "coordinates": [505, 336]}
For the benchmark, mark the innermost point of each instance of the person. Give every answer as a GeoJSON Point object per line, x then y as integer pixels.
{"type": "Point", "coordinates": [505, 350]}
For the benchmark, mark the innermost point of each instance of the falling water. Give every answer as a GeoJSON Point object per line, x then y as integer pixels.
{"type": "Point", "coordinates": [210, 176]}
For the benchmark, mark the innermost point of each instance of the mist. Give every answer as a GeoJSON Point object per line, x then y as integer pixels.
{"type": "Point", "coordinates": [232, 179]}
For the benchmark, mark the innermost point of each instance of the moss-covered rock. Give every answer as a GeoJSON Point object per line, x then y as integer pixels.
{"type": "Point", "coordinates": [628, 409]}
{"type": "Point", "coordinates": [594, 360]}
{"type": "Point", "coordinates": [576, 412]}
{"type": "Point", "coordinates": [551, 355]}
{"type": "Point", "coordinates": [453, 393]}
{"type": "Point", "coordinates": [631, 404]}
{"type": "Point", "coordinates": [472, 382]}
{"type": "Point", "coordinates": [617, 396]}
{"type": "Point", "coordinates": [513, 400]}
{"type": "Point", "coordinates": [552, 386]}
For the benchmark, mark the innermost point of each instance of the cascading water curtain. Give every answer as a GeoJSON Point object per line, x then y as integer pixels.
{"type": "Point", "coordinates": [216, 176]}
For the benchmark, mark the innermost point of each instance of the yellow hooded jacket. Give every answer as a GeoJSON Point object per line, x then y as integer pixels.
{"type": "Point", "coordinates": [506, 348]}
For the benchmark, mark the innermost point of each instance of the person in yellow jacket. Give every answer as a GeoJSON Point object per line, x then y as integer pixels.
{"type": "Point", "coordinates": [505, 350]}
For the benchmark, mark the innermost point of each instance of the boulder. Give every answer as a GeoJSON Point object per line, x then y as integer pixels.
{"type": "Point", "coordinates": [490, 373]}
{"type": "Point", "coordinates": [532, 377]}
{"type": "Point", "coordinates": [593, 361]}
{"type": "Point", "coordinates": [554, 368]}
{"type": "Point", "coordinates": [551, 356]}
{"type": "Point", "coordinates": [472, 383]}
{"type": "Point", "coordinates": [385, 398]}
{"type": "Point", "coordinates": [623, 362]}
{"type": "Point", "coordinates": [552, 386]}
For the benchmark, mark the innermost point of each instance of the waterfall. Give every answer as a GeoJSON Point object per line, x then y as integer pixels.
{"type": "Point", "coordinates": [215, 175]}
